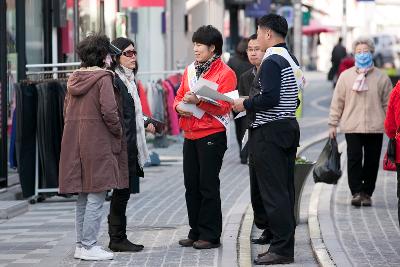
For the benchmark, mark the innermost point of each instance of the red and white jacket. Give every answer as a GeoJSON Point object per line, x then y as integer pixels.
{"type": "Point", "coordinates": [195, 128]}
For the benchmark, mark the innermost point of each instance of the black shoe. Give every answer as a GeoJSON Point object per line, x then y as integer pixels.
{"type": "Point", "coordinates": [272, 258]}
{"type": "Point", "coordinates": [243, 161]}
{"type": "Point", "coordinates": [118, 238]}
{"type": "Point", "coordinates": [356, 200]}
{"type": "Point", "coordinates": [124, 246]}
{"type": "Point", "coordinates": [186, 242]}
{"type": "Point", "coordinates": [203, 244]}
{"type": "Point", "coordinates": [262, 240]}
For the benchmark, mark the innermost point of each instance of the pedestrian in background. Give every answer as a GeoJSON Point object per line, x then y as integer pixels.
{"type": "Point", "coordinates": [125, 67]}
{"type": "Point", "coordinates": [255, 56]}
{"type": "Point", "coordinates": [338, 53]}
{"type": "Point", "coordinates": [392, 128]}
{"type": "Point", "coordinates": [91, 144]}
{"type": "Point", "coordinates": [359, 105]}
{"type": "Point", "coordinates": [239, 63]}
{"type": "Point", "coordinates": [274, 135]}
{"type": "Point", "coordinates": [205, 139]}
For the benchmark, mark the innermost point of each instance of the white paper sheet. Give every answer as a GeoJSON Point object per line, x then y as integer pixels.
{"type": "Point", "coordinates": [197, 112]}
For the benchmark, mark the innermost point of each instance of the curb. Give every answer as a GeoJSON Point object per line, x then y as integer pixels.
{"type": "Point", "coordinates": [244, 247]}
{"type": "Point", "coordinates": [321, 226]}
{"type": "Point", "coordinates": [317, 243]}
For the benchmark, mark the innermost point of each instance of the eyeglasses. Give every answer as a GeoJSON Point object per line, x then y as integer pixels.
{"type": "Point", "coordinates": [253, 50]}
{"type": "Point", "coordinates": [129, 53]}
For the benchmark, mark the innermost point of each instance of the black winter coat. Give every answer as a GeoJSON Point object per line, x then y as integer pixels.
{"type": "Point", "coordinates": [135, 171]}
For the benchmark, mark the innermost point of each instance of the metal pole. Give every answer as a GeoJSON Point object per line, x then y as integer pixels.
{"type": "Point", "coordinates": [20, 38]}
{"type": "Point", "coordinates": [3, 94]}
{"type": "Point", "coordinates": [344, 23]}
{"type": "Point", "coordinates": [76, 28]}
{"type": "Point", "coordinates": [297, 30]}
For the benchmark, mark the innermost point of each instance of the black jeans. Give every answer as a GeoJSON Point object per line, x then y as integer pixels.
{"type": "Point", "coordinates": [272, 149]}
{"type": "Point", "coordinates": [202, 161]}
{"type": "Point", "coordinates": [363, 156]}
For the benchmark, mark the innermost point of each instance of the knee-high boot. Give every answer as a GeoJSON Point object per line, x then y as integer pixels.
{"type": "Point", "coordinates": [118, 238]}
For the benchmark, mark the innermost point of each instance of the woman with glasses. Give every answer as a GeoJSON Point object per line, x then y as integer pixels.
{"type": "Point", "coordinates": [205, 139]}
{"type": "Point", "coordinates": [125, 67]}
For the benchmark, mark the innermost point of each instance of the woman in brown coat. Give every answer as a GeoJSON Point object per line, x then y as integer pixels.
{"type": "Point", "coordinates": [91, 157]}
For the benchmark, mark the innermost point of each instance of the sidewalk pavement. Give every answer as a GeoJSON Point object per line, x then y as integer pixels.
{"type": "Point", "coordinates": [366, 236]}
{"type": "Point", "coordinates": [157, 218]}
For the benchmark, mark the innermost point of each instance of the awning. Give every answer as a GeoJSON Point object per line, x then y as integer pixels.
{"type": "Point", "coordinates": [315, 28]}
{"type": "Point", "coordinates": [142, 3]}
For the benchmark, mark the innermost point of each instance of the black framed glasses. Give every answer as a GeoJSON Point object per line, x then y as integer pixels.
{"type": "Point", "coordinates": [129, 53]}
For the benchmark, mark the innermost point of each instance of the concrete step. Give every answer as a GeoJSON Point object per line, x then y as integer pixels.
{"type": "Point", "coordinates": [9, 209]}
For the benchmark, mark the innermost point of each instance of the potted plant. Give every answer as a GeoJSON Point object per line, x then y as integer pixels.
{"type": "Point", "coordinates": [302, 169]}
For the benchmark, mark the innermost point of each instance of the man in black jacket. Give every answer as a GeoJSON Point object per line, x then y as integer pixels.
{"type": "Point", "coordinates": [274, 135]}
{"type": "Point", "coordinates": [255, 56]}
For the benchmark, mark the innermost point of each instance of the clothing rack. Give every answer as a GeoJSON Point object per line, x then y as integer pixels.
{"type": "Point", "coordinates": [44, 75]}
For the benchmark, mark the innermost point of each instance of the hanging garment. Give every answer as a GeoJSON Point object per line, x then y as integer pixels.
{"type": "Point", "coordinates": [12, 153]}
{"type": "Point", "coordinates": [143, 99]}
{"type": "Point", "coordinates": [172, 115]}
{"type": "Point", "coordinates": [25, 140]}
{"type": "Point", "coordinates": [50, 123]}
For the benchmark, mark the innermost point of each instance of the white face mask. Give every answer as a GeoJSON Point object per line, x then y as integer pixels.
{"type": "Point", "coordinates": [108, 61]}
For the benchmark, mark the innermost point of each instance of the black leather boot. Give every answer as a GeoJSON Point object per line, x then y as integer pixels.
{"type": "Point", "coordinates": [118, 238]}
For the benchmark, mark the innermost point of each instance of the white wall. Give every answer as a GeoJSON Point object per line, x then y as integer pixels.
{"type": "Point", "coordinates": [150, 41]}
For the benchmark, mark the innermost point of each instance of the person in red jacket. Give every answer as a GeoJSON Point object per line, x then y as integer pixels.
{"type": "Point", "coordinates": [392, 127]}
{"type": "Point", "coordinates": [205, 139]}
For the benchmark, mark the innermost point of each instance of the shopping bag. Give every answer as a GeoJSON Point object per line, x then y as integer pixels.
{"type": "Point", "coordinates": [327, 168]}
{"type": "Point", "coordinates": [388, 165]}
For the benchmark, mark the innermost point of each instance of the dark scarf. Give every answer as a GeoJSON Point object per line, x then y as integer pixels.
{"type": "Point", "coordinates": [204, 67]}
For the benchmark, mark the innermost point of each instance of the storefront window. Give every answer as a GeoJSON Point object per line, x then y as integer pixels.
{"type": "Point", "coordinates": [34, 32]}
{"type": "Point", "coordinates": [11, 57]}
{"type": "Point", "coordinates": [67, 35]}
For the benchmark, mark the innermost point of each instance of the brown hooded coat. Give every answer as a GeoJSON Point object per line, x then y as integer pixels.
{"type": "Point", "coordinates": [93, 148]}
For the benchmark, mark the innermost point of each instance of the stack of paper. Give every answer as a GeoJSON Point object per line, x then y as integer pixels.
{"type": "Point", "coordinates": [207, 91]}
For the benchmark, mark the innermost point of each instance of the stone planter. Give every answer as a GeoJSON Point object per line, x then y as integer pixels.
{"type": "Point", "coordinates": [301, 172]}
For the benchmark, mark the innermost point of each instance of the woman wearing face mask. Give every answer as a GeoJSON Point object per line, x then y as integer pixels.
{"type": "Point", "coordinates": [125, 67]}
{"type": "Point", "coordinates": [359, 106]}
{"type": "Point", "coordinates": [205, 139]}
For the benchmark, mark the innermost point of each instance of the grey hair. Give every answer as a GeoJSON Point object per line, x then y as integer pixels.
{"type": "Point", "coordinates": [364, 40]}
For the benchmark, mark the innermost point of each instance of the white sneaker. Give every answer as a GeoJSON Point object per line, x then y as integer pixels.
{"type": "Point", "coordinates": [78, 252]}
{"type": "Point", "coordinates": [95, 253]}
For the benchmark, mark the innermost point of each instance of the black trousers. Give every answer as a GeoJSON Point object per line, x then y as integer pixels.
{"type": "Point", "coordinates": [119, 201]}
{"type": "Point", "coordinates": [260, 216]}
{"type": "Point", "coordinates": [240, 127]}
{"type": "Point", "coordinates": [273, 149]}
{"type": "Point", "coordinates": [398, 191]}
{"type": "Point", "coordinates": [202, 161]}
{"type": "Point", "coordinates": [363, 156]}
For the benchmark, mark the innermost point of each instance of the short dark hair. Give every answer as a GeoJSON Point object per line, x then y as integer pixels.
{"type": "Point", "coordinates": [93, 50]}
{"type": "Point", "coordinates": [253, 37]}
{"type": "Point", "coordinates": [275, 22]}
{"type": "Point", "coordinates": [209, 35]}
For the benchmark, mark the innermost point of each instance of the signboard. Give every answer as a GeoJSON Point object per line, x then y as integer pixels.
{"type": "Point", "coordinates": [121, 25]}
{"type": "Point", "coordinates": [239, 2]}
{"type": "Point", "coordinates": [258, 9]}
{"type": "Point", "coordinates": [288, 13]}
